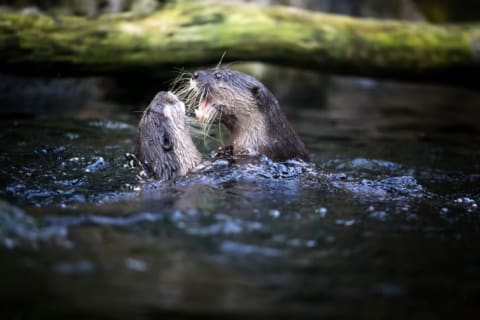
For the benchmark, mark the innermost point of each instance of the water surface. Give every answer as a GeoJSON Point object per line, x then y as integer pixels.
{"type": "Point", "coordinates": [391, 230]}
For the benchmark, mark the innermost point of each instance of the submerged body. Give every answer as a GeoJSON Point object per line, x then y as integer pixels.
{"type": "Point", "coordinates": [164, 145]}
{"type": "Point", "coordinates": [248, 110]}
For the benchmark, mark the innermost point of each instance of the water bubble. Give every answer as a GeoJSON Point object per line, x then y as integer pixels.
{"type": "Point", "coordinates": [274, 213]}
{"type": "Point", "coordinates": [136, 264]}
{"type": "Point", "coordinates": [347, 223]}
{"type": "Point", "coordinates": [380, 215]}
{"type": "Point", "coordinates": [310, 243]}
{"type": "Point", "coordinates": [111, 125]}
{"type": "Point", "coordinates": [468, 203]}
{"type": "Point", "coordinates": [221, 163]}
{"type": "Point", "coordinates": [82, 266]}
{"type": "Point", "coordinates": [98, 164]}
{"type": "Point", "coordinates": [322, 212]}
{"type": "Point", "coordinates": [247, 249]}
{"type": "Point", "coordinates": [72, 136]}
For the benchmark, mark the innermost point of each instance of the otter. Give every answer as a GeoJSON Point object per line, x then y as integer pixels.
{"type": "Point", "coordinates": [247, 109]}
{"type": "Point", "coordinates": [164, 146]}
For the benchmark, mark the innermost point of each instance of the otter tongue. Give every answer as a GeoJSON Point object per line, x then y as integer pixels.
{"type": "Point", "coordinates": [203, 104]}
{"type": "Point", "coordinates": [200, 112]}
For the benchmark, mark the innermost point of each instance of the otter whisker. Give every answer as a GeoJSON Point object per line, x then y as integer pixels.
{"type": "Point", "coordinates": [208, 122]}
{"type": "Point", "coordinates": [197, 132]}
{"type": "Point", "coordinates": [221, 60]}
{"type": "Point", "coordinates": [193, 122]}
{"type": "Point", "coordinates": [231, 63]}
{"type": "Point", "coordinates": [180, 78]}
{"type": "Point", "coordinates": [183, 92]}
{"type": "Point", "coordinates": [220, 127]}
{"type": "Point", "coordinates": [191, 96]}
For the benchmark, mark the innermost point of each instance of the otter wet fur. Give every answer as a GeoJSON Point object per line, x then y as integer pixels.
{"type": "Point", "coordinates": [164, 145]}
{"type": "Point", "coordinates": [247, 109]}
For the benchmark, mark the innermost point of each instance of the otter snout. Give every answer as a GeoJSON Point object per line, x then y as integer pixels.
{"type": "Point", "coordinates": [164, 102]}
{"type": "Point", "coordinates": [203, 78]}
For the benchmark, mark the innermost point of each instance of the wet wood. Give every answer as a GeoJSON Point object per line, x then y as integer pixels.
{"type": "Point", "coordinates": [198, 33]}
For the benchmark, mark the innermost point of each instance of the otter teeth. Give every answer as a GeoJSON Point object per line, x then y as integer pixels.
{"type": "Point", "coordinates": [202, 110]}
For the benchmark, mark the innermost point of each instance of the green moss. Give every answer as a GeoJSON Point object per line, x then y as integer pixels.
{"type": "Point", "coordinates": [198, 33]}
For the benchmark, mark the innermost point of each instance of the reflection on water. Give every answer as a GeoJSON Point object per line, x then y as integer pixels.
{"type": "Point", "coordinates": [387, 226]}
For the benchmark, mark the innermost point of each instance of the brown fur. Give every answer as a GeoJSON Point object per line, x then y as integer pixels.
{"type": "Point", "coordinates": [164, 145]}
{"type": "Point", "coordinates": [249, 111]}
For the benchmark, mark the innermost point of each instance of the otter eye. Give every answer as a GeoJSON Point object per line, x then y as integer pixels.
{"type": "Point", "coordinates": [218, 75]}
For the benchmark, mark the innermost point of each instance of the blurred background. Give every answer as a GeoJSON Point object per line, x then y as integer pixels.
{"type": "Point", "coordinates": [392, 233]}
{"type": "Point", "coordinates": [101, 97]}
{"type": "Point", "coordinates": [440, 11]}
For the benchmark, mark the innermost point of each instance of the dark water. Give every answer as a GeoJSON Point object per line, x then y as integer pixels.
{"type": "Point", "coordinates": [390, 230]}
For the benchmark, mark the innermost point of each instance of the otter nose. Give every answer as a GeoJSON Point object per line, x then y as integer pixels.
{"type": "Point", "coordinates": [160, 101]}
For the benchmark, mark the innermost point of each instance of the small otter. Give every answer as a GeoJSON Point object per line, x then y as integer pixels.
{"type": "Point", "coordinates": [164, 146]}
{"type": "Point", "coordinates": [247, 109]}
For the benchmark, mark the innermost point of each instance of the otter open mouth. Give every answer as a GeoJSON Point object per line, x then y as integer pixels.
{"type": "Point", "coordinates": [203, 109]}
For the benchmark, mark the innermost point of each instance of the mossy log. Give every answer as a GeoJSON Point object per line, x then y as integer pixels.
{"type": "Point", "coordinates": [190, 33]}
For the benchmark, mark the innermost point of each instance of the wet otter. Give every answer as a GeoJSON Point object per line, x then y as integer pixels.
{"type": "Point", "coordinates": [164, 146]}
{"type": "Point", "coordinates": [248, 110]}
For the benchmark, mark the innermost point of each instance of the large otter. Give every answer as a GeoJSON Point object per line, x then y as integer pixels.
{"type": "Point", "coordinates": [249, 111]}
{"type": "Point", "coordinates": [164, 146]}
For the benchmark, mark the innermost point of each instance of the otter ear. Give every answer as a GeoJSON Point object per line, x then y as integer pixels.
{"type": "Point", "coordinates": [255, 91]}
{"type": "Point", "coordinates": [259, 96]}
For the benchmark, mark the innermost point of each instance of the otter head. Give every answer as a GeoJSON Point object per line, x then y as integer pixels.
{"type": "Point", "coordinates": [228, 96]}
{"type": "Point", "coordinates": [164, 145]}
{"type": "Point", "coordinates": [247, 108]}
